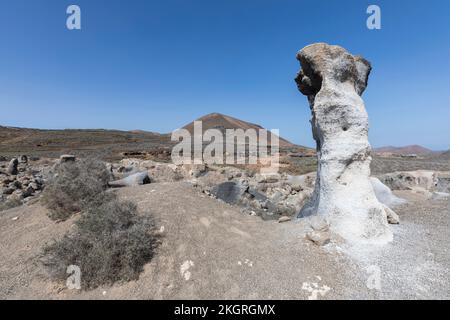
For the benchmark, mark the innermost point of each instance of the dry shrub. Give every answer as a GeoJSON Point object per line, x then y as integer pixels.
{"type": "Point", "coordinates": [111, 242]}
{"type": "Point", "coordinates": [9, 204]}
{"type": "Point", "coordinates": [73, 186]}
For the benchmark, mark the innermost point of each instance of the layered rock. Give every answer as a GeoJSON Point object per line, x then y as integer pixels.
{"type": "Point", "coordinates": [333, 80]}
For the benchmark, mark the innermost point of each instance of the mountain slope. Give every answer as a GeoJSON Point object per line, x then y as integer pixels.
{"type": "Point", "coordinates": [223, 122]}
{"type": "Point", "coordinates": [413, 149]}
{"type": "Point", "coordinates": [445, 155]}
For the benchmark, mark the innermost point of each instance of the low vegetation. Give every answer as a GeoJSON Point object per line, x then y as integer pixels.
{"type": "Point", "coordinates": [9, 204]}
{"type": "Point", "coordinates": [110, 242]}
{"type": "Point", "coordinates": [298, 166]}
{"type": "Point", "coordinates": [73, 186]}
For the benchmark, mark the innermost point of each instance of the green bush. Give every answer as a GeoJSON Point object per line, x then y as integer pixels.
{"type": "Point", "coordinates": [111, 242]}
{"type": "Point", "coordinates": [73, 186]}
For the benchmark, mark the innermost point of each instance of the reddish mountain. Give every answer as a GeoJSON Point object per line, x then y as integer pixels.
{"type": "Point", "coordinates": [223, 122]}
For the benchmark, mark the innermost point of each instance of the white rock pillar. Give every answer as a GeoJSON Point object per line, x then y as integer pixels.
{"type": "Point", "coordinates": [333, 80]}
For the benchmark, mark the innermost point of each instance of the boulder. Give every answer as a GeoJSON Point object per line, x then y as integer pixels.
{"type": "Point", "coordinates": [333, 81]}
{"type": "Point", "coordinates": [319, 238]}
{"type": "Point", "coordinates": [284, 219]}
{"type": "Point", "coordinates": [135, 179]}
{"type": "Point", "coordinates": [239, 193]}
{"type": "Point", "coordinates": [12, 167]}
{"type": "Point", "coordinates": [229, 192]}
{"type": "Point", "coordinates": [23, 159]}
{"type": "Point", "coordinates": [384, 194]}
{"type": "Point", "coordinates": [67, 158]}
{"type": "Point", "coordinates": [392, 217]}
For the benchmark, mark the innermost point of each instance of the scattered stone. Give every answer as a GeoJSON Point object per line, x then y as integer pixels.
{"type": "Point", "coordinates": [125, 169]}
{"type": "Point", "coordinates": [269, 215]}
{"type": "Point", "coordinates": [16, 184]}
{"type": "Point", "coordinates": [392, 217]}
{"type": "Point", "coordinates": [284, 219]}
{"type": "Point", "coordinates": [23, 159]}
{"type": "Point", "coordinates": [67, 158]}
{"type": "Point", "coordinates": [320, 238]}
{"type": "Point", "coordinates": [8, 191]}
{"type": "Point", "coordinates": [184, 269]}
{"type": "Point", "coordinates": [28, 192]}
{"type": "Point", "coordinates": [35, 186]}
{"type": "Point", "coordinates": [198, 170]}
{"type": "Point", "coordinates": [318, 223]}
{"type": "Point", "coordinates": [267, 178]}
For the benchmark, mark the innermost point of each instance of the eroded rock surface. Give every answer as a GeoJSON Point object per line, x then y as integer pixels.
{"type": "Point", "coordinates": [333, 80]}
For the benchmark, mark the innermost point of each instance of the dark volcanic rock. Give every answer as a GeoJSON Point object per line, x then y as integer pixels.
{"type": "Point", "coordinates": [229, 192]}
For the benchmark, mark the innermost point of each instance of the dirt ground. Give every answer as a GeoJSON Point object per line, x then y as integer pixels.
{"type": "Point", "coordinates": [210, 250]}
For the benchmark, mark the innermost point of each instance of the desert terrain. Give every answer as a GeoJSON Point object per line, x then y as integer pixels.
{"type": "Point", "coordinates": [225, 232]}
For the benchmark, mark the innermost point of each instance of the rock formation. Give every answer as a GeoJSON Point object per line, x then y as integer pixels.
{"type": "Point", "coordinates": [12, 167]}
{"type": "Point", "coordinates": [333, 80]}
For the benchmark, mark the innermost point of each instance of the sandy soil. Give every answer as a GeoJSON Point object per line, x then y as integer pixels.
{"type": "Point", "coordinates": [210, 250]}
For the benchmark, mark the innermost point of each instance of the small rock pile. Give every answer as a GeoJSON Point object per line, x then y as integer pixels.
{"type": "Point", "coordinates": [19, 181]}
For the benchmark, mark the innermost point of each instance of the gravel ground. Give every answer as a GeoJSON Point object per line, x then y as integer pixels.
{"type": "Point", "coordinates": [210, 250]}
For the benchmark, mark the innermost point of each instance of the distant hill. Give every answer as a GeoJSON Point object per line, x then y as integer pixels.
{"type": "Point", "coordinates": [40, 142]}
{"type": "Point", "coordinates": [413, 149]}
{"type": "Point", "coordinates": [445, 155]}
{"type": "Point", "coordinates": [52, 142]}
{"type": "Point", "coordinates": [223, 122]}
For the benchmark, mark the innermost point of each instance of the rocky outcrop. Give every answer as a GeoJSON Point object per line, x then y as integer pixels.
{"type": "Point", "coordinates": [333, 81]}
{"type": "Point", "coordinates": [411, 180]}
{"type": "Point", "coordinates": [12, 167]}
{"type": "Point", "coordinates": [431, 184]}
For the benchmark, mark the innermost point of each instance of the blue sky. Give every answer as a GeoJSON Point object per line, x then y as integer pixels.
{"type": "Point", "coordinates": [156, 65]}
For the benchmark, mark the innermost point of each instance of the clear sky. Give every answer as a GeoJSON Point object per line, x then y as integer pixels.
{"type": "Point", "coordinates": [156, 65]}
